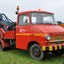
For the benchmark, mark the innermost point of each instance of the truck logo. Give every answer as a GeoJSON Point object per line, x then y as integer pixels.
{"type": "Point", "coordinates": [22, 30]}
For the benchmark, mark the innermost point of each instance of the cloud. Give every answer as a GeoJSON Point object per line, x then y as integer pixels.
{"type": "Point", "coordinates": [9, 7]}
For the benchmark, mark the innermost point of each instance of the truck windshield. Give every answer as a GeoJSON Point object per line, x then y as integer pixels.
{"type": "Point", "coordinates": [42, 18]}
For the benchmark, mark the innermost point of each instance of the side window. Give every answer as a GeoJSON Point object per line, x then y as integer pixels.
{"type": "Point", "coordinates": [23, 20]}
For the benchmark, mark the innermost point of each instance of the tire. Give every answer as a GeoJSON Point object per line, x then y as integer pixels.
{"type": "Point", "coordinates": [1, 47]}
{"type": "Point", "coordinates": [36, 52]}
{"type": "Point", "coordinates": [58, 53]}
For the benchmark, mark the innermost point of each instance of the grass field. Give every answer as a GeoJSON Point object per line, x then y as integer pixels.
{"type": "Point", "coordinates": [23, 57]}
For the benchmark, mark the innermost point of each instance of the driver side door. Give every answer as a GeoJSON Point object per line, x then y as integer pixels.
{"type": "Point", "coordinates": [23, 31]}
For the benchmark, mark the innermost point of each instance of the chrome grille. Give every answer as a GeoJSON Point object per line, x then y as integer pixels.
{"type": "Point", "coordinates": [57, 38]}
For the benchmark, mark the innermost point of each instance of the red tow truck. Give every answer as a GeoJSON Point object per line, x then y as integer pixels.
{"type": "Point", "coordinates": [35, 31]}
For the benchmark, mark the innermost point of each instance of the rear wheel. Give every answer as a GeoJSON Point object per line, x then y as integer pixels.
{"type": "Point", "coordinates": [36, 52]}
{"type": "Point", "coordinates": [2, 48]}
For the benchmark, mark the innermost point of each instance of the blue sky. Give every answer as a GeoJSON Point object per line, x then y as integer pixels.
{"type": "Point", "coordinates": [9, 7]}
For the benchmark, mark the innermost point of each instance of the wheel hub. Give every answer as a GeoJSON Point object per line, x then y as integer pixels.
{"type": "Point", "coordinates": [37, 52]}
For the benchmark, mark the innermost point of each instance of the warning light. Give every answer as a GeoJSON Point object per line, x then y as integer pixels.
{"type": "Point", "coordinates": [17, 8]}
{"type": "Point", "coordinates": [39, 9]}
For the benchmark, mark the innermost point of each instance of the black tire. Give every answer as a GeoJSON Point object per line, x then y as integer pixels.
{"type": "Point", "coordinates": [58, 53]}
{"type": "Point", "coordinates": [1, 47]}
{"type": "Point", "coordinates": [36, 52]}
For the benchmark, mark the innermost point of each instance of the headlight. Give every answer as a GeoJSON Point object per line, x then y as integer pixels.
{"type": "Point", "coordinates": [48, 37]}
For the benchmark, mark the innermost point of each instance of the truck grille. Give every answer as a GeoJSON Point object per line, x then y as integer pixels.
{"type": "Point", "coordinates": [57, 39]}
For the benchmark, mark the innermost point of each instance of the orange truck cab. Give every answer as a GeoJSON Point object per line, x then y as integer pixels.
{"type": "Point", "coordinates": [37, 32]}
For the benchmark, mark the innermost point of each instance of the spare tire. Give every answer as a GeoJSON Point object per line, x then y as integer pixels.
{"type": "Point", "coordinates": [12, 26]}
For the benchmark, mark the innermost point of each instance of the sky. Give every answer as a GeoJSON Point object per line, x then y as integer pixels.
{"type": "Point", "coordinates": [8, 7]}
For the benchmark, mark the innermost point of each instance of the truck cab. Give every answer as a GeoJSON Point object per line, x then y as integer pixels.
{"type": "Point", "coordinates": [38, 32]}
{"type": "Point", "coordinates": [35, 31]}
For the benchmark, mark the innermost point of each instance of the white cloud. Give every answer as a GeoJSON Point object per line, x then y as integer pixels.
{"type": "Point", "coordinates": [9, 7]}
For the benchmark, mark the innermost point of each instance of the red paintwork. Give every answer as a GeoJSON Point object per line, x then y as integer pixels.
{"type": "Point", "coordinates": [50, 29]}
{"type": "Point", "coordinates": [22, 41]}
{"type": "Point", "coordinates": [35, 11]}
{"type": "Point", "coordinates": [9, 35]}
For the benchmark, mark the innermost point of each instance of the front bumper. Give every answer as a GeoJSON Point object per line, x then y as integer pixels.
{"type": "Point", "coordinates": [53, 47]}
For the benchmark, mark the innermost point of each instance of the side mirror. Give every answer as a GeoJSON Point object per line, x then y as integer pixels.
{"type": "Point", "coordinates": [16, 12]}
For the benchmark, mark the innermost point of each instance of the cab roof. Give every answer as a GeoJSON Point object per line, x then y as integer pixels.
{"type": "Point", "coordinates": [37, 11]}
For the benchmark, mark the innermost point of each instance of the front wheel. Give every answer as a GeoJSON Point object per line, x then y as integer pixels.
{"type": "Point", "coordinates": [36, 52]}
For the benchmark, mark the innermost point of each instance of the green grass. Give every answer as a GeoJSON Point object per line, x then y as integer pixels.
{"type": "Point", "coordinates": [23, 57]}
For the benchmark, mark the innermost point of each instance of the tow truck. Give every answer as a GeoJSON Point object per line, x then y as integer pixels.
{"type": "Point", "coordinates": [34, 30]}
